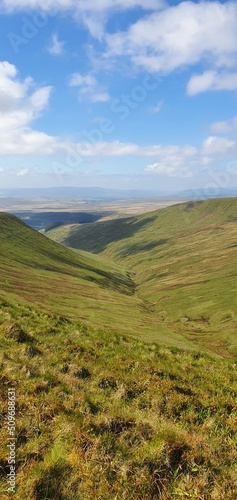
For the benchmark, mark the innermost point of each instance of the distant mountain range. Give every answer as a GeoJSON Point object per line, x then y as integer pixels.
{"type": "Point", "coordinates": [95, 193]}
{"type": "Point", "coordinates": [78, 192]}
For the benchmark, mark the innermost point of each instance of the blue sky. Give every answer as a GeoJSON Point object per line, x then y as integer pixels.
{"type": "Point", "coordinates": [126, 94]}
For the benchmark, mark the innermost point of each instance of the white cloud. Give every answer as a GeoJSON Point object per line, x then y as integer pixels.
{"type": "Point", "coordinates": [86, 5]}
{"type": "Point", "coordinates": [22, 172]}
{"type": "Point", "coordinates": [56, 47]}
{"type": "Point", "coordinates": [21, 102]}
{"type": "Point", "coordinates": [78, 80]}
{"type": "Point", "coordinates": [163, 40]}
{"type": "Point", "coordinates": [20, 105]}
{"type": "Point", "coordinates": [168, 169]}
{"type": "Point", "coordinates": [156, 109]}
{"type": "Point", "coordinates": [218, 145]}
{"type": "Point", "coordinates": [224, 127]}
{"type": "Point", "coordinates": [117, 148]}
{"type": "Point", "coordinates": [108, 149]}
{"type": "Point", "coordinates": [11, 90]}
{"type": "Point", "coordinates": [185, 34]}
{"type": "Point", "coordinates": [89, 87]}
{"type": "Point", "coordinates": [212, 80]}
{"type": "Point", "coordinates": [175, 161]}
{"type": "Point", "coordinates": [93, 13]}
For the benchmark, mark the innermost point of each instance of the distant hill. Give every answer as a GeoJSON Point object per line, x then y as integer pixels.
{"type": "Point", "coordinates": [79, 192]}
{"type": "Point", "coordinates": [184, 263]}
{"type": "Point", "coordinates": [96, 193]}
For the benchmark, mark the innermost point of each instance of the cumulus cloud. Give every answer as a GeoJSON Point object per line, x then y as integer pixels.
{"type": "Point", "coordinates": [218, 145]}
{"type": "Point", "coordinates": [86, 5]}
{"type": "Point", "coordinates": [185, 34]}
{"type": "Point", "coordinates": [20, 104]}
{"type": "Point", "coordinates": [88, 87]}
{"type": "Point", "coordinates": [165, 39]}
{"type": "Point", "coordinates": [171, 156]}
{"type": "Point", "coordinates": [175, 160]}
{"type": "Point", "coordinates": [12, 90]}
{"type": "Point", "coordinates": [93, 13]}
{"type": "Point", "coordinates": [212, 80]}
{"type": "Point", "coordinates": [56, 47]}
{"type": "Point", "coordinates": [172, 161]}
{"type": "Point", "coordinates": [224, 127]}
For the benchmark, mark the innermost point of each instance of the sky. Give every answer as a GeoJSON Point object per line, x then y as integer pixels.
{"type": "Point", "coordinates": [132, 94]}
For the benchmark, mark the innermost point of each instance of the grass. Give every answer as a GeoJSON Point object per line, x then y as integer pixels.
{"type": "Point", "coordinates": [109, 417]}
{"type": "Point", "coordinates": [78, 284]}
{"type": "Point", "coordinates": [183, 262]}
{"type": "Point", "coordinates": [35, 269]}
{"type": "Point", "coordinates": [101, 414]}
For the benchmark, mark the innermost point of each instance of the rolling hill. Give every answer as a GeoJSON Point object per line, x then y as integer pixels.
{"type": "Point", "coordinates": [102, 294]}
{"type": "Point", "coordinates": [100, 414]}
{"type": "Point", "coordinates": [35, 269]}
{"type": "Point", "coordinates": [183, 262]}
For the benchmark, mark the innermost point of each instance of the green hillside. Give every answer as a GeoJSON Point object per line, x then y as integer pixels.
{"type": "Point", "coordinates": [35, 269]}
{"type": "Point", "coordinates": [105, 417]}
{"type": "Point", "coordinates": [183, 261]}
{"type": "Point", "coordinates": [101, 415]}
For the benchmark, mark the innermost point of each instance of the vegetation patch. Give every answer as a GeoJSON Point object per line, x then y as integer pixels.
{"type": "Point", "coordinates": [138, 421]}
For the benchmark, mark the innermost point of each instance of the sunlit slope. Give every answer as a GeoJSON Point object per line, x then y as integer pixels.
{"type": "Point", "coordinates": [185, 263]}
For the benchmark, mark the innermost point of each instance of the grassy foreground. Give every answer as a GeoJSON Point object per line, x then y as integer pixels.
{"type": "Point", "coordinates": [107, 417]}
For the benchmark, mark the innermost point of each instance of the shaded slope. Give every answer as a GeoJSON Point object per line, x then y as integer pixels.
{"type": "Point", "coordinates": [38, 270]}
{"type": "Point", "coordinates": [29, 248]}
{"type": "Point", "coordinates": [170, 221]}
{"type": "Point", "coordinates": [184, 258]}
{"type": "Point", "coordinates": [97, 236]}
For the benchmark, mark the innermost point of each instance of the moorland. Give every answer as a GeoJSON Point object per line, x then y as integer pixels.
{"type": "Point", "coordinates": [119, 337]}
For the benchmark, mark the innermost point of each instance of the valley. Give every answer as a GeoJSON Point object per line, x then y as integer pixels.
{"type": "Point", "coordinates": [182, 259]}
{"type": "Point", "coordinates": [119, 338]}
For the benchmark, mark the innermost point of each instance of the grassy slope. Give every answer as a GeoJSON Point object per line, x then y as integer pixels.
{"type": "Point", "coordinates": [184, 261]}
{"type": "Point", "coordinates": [102, 417]}
{"type": "Point", "coordinates": [35, 269]}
